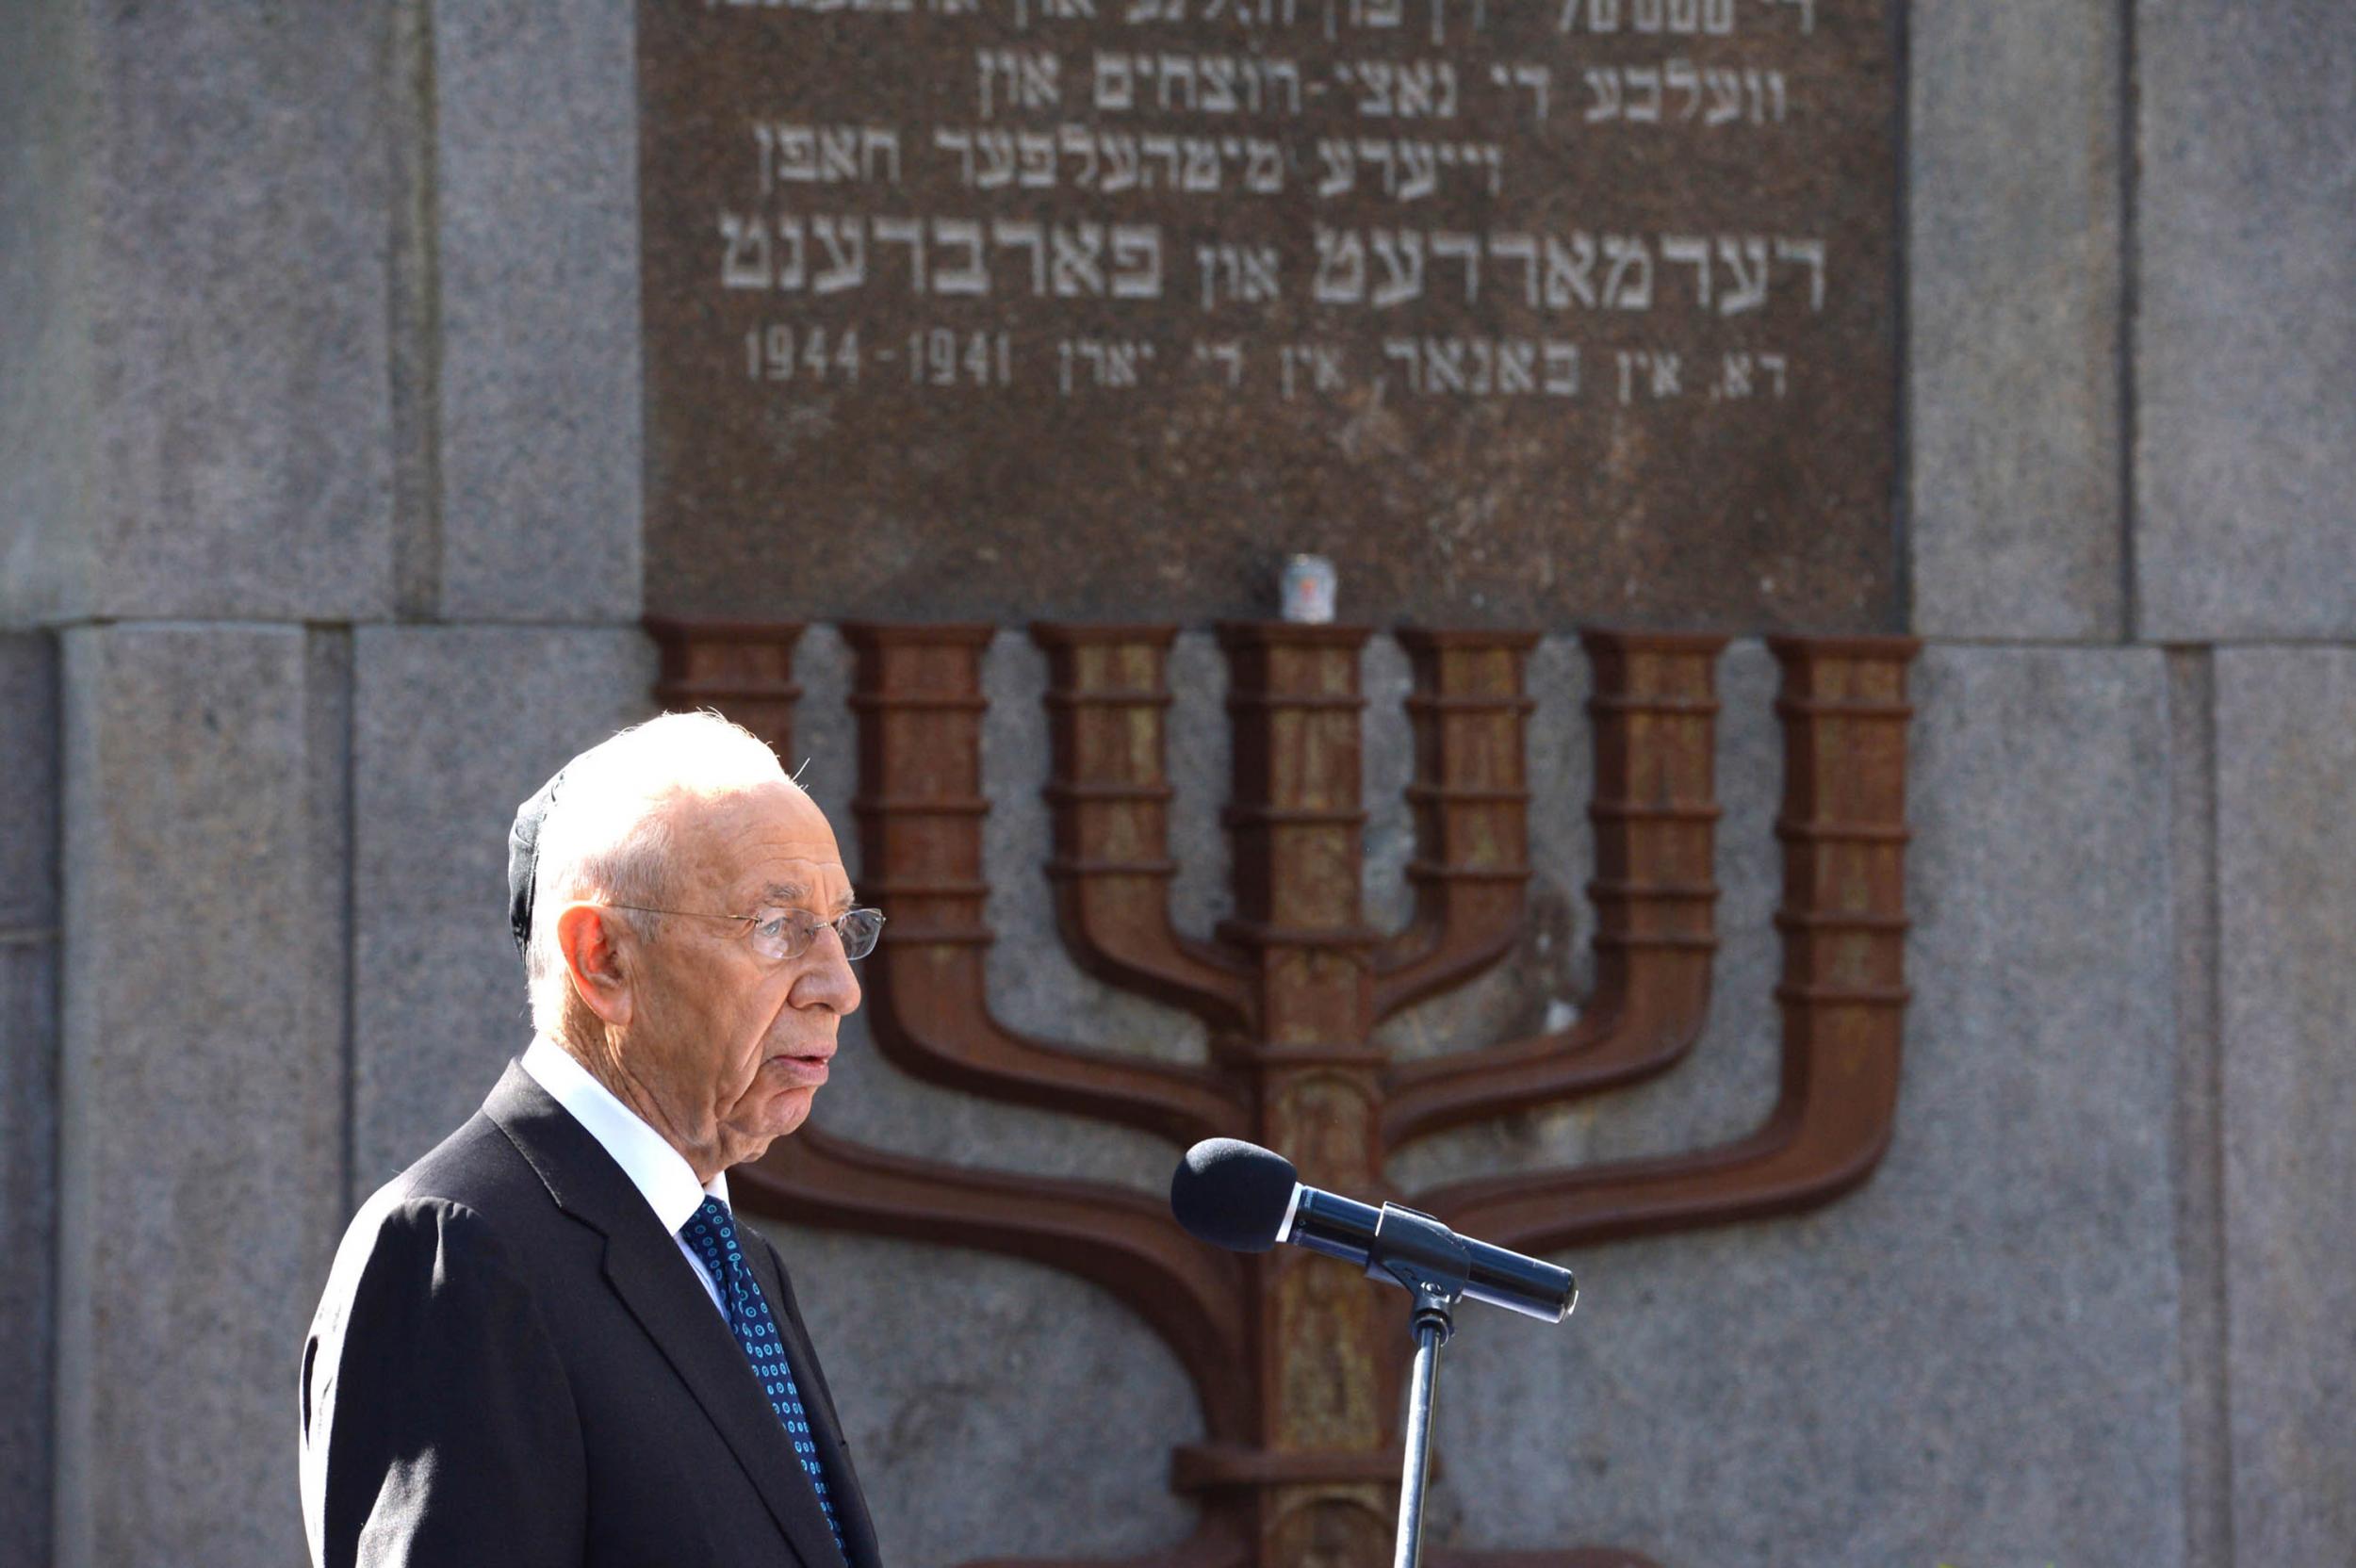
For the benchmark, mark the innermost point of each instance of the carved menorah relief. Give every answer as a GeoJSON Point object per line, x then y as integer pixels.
{"type": "Point", "coordinates": [1296, 1361]}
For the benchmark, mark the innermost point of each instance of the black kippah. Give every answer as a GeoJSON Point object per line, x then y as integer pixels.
{"type": "Point", "coordinates": [523, 857]}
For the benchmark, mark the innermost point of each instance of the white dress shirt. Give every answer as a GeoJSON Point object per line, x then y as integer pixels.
{"type": "Point", "coordinates": [660, 1172]}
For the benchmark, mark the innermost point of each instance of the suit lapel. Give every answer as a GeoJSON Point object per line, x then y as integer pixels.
{"type": "Point", "coordinates": [658, 1286]}
{"type": "Point", "coordinates": [826, 1424]}
{"type": "Point", "coordinates": [661, 1292]}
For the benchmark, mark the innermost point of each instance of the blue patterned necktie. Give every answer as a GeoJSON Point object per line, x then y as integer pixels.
{"type": "Point", "coordinates": [712, 1233]}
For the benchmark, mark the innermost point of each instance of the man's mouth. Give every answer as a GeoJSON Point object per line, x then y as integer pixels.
{"type": "Point", "coordinates": [807, 1068]}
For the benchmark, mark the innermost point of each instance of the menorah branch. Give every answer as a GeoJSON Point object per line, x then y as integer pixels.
{"type": "Point", "coordinates": [1108, 701]}
{"type": "Point", "coordinates": [1830, 1128]}
{"type": "Point", "coordinates": [1471, 803]}
{"type": "Point", "coordinates": [1843, 997]}
{"type": "Point", "coordinates": [932, 1019]}
{"type": "Point", "coordinates": [920, 809]}
{"type": "Point", "coordinates": [1655, 813]}
{"type": "Point", "coordinates": [1111, 1236]}
{"type": "Point", "coordinates": [742, 669]}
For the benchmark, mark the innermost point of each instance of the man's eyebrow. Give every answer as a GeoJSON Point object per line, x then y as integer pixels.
{"type": "Point", "coordinates": [793, 892]}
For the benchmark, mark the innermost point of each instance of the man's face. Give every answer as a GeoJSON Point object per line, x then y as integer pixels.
{"type": "Point", "coordinates": [734, 1046]}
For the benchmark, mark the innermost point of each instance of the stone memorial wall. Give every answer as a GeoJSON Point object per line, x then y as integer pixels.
{"type": "Point", "coordinates": [1519, 311]}
{"type": "Point", "coordinates": [326, 505]}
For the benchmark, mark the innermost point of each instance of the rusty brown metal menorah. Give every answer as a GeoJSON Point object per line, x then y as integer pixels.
{"type": "Point", "coordinates": [1296, 1361]}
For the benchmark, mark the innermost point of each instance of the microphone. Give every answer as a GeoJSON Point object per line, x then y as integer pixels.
{"type": "Point", "coordinates": [1247, 1198]}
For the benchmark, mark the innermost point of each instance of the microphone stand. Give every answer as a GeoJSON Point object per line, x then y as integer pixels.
{"type": "Point", "coordinates": [1431, 1260]}
{"type": "Point", "coordinates": [1433, 1323]}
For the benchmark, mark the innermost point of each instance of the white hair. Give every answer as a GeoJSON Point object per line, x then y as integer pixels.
{"type": "Point", "coordinates": [608, 833]}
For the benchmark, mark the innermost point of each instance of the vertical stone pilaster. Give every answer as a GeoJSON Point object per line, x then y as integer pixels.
{"type": "Point", "coordinates": [202, 1149]}
{"type": "Point", "coordinates": [534, 218]}
{"type": "Point", "coordinates": [2015, 217]}
{"type": "Point", "coordinates": [236, 314]}
{"type": "Point", "coordinates": [2245, 348]}
{"type": "Point", "coordinates": [2286, 903]}
{"type": "Point", "coordinates": [29, 1088]}
{"type": "Point", "coordinates": [47, 555]}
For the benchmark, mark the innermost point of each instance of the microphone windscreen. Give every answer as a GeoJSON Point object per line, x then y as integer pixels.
{"type": "Point", "coordinates": [1232, 1194]}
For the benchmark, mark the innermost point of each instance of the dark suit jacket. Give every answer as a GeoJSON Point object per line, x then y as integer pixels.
{"type": "Point", "coordinates": [514, 1364]}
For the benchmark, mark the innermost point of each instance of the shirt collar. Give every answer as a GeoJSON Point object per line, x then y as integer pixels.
{"type": "Point", "coordinates": [660, 1172]}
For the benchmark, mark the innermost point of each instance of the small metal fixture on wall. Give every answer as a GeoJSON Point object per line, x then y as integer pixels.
{"type": "Point", "coordinates": [1296, 1361]}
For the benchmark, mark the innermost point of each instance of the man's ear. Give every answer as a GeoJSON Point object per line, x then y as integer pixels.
{"type": "Point", "coordinates": [594, 959]}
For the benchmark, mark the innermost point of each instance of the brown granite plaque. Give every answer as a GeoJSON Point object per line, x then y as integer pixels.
{"type": "Point", "coordinates": [1520, 310]}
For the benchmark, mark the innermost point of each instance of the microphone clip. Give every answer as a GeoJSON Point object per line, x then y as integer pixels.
{"type": "Point", "coordinates": [1429, 1259]}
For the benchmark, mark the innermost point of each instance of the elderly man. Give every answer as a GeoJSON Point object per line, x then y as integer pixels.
{"type": "Point", "coordinates": [550, 1342]}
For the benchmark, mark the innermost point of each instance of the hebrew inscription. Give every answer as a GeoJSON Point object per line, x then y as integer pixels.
{"type": "Point", "coordinates": [1521, 310]}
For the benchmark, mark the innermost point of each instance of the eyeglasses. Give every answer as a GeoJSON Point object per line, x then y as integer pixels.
{"type": "Point", "coordinates": [779, 935]}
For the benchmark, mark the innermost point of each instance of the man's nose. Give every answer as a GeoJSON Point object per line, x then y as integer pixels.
{"type": "Point", "coordinates": [829, 981]}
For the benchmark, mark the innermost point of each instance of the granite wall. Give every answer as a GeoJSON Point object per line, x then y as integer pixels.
{"type": "Point", "coordinates": [319, 519]}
